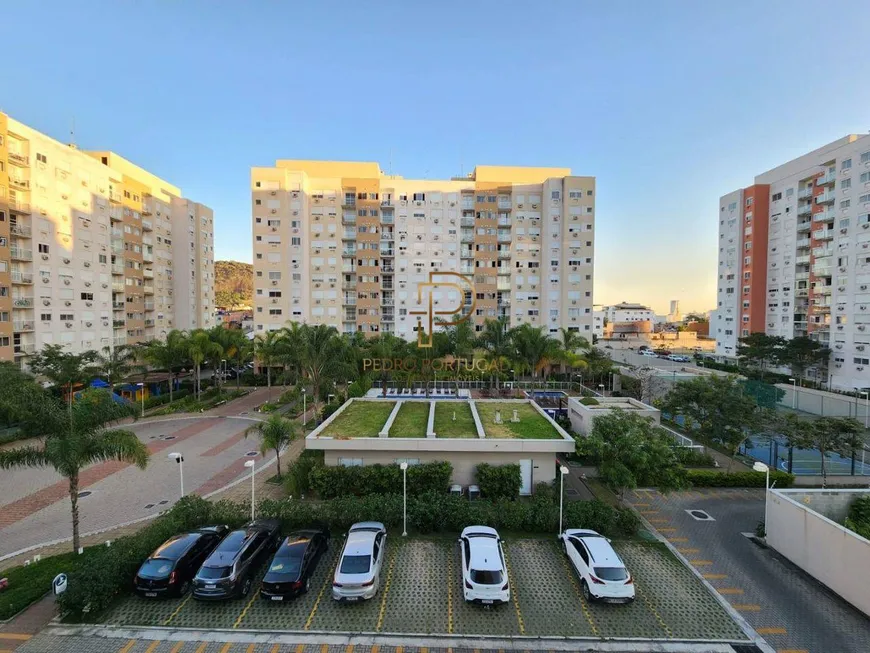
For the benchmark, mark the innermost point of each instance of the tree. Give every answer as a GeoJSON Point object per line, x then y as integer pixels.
{"type": "Point", "coordinates": [598, 364]}
{"type": "Point", "coordinates": [760, 349]}
{"type": "Point", "coordinates": [718, 405]}
{"type": "Point", "coordinates": [534, 348]}
{"type": "Point", "coordinates": [828, 435]}
{"type": "Point", "coordinates": [269, 348]}
{"type": "Point", "coordinates": [275, 433]}
{"type": "Point", "coordinates": [496, 341]}
{"type": "Point", "coordinates": [65, 370]}
{"type": "Point", "coordinates": [802, 353]}
{"type": "Point", "coordinates": [631, 451]}
{"type": "Point", "coordinates": [323, 357]}
{"type": "Point", "coordinates": [571, 343]}
{"type": "Point", "coordinates": [114, 363]}
{"type": "Point", "coordinates": [72, 441]}
{"type": "Point", "coordinates": [170, 354]}
{"type": "Point", "coordinates": [201, 348]}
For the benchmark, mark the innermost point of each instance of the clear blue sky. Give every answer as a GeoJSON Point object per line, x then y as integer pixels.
{"type": "Point", "coordinates": [668, 104]}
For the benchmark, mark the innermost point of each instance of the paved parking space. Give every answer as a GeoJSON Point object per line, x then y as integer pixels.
{"type": "Point", "coordinates": [789, 609]}
{"type": "Point", "coordinates": [421, 594]}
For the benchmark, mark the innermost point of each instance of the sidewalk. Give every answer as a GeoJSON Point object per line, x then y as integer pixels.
{"type": "Point", "coordinates": [22, 627]}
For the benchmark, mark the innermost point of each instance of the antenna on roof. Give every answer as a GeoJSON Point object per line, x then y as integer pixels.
{"type": "Point", "coordinates": [72, 133]}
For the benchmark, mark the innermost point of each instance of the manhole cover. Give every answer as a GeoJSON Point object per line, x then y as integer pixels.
{"type": "Point", "coordinates": [148, 506]}
{"type": "Point", "coordinates": [85, 493]}
{"type": "Point", "coordinates": [167, 437]}
{"type": "Point", "coordinates": [572, 492]}
{"type": "Point", "coordinates": [251, 454]}
{"type": "Point", "coordinates": [700, 515]}
{"type": "Point", "coordinates": [162, 503]}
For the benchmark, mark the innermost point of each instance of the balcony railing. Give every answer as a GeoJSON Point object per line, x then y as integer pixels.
{"type": "Point", "coordinates": [805, 210]}
{"type": "Point", "coordinates": [822, 234]}
{"type": "Point", "coordinates": [148, 274]}
{"type": "Point", "coordinates": [114, 197]}
{"type": "Point", "coordinates": [22, 326]}
{"type": "Point", "coordinates": [24, 350]}
{"type": "Point", "coordinates": [802, 260]}
{"type": "Point", "coordinates": [825, 198]}
{"type": "Point", "coordinates": [147, 225]}
{"type": "Point", "coordinates": [466, 222]}
{"type": "Point", "coordinates": [19, 159]}
{"type": "Point", "coordinates": [18, 254]}
{"type": "Point", "coordinates": [387, 237]}
{"type": "Point", "coordinates": [24, 278]}
{"type": "Point", "coordinates": [117, 286]}
{"type": "Point", "coordinates": [119, 324]}
{"type": "Point", "coordinates": [118, 306]}
{"type": "Point", "coordinates": [18, 182]}
{"type": "Point", "coordinates": [803, 242]}
{"type": "Point", "coordinates": [16, 206]}
{"type": "Point", "coordinates": [805, 193]}
{"type": "Point", "coordinates": [148, 289]}
{"type": "Point", "coordinates": [20, 231]}
{"type": "Point", "coordinates": [116, 214]}
{"type": "Point", "coordinates": [387, 218]}
{"type": "Point", "coordinates": [117, 268]}
{"type": "Point", "coordinates": [348, 252]}
{"type": "Point", "coordinates": [805, 226]}
{"type": "Point", "coordinates": [22, 302]}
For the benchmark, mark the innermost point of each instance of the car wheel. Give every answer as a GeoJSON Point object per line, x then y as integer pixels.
{"type": "Point", "coordinates": [307, 585]}
{"type": "Point", "coordinates": [246, 587]}
{"type": "Point", "coordinates": [185, 588]}
{"type": "Point", "coordinates": [586, 593]}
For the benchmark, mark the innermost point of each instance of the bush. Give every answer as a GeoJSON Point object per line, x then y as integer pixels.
{"type": "Point", "coordinates": [297, 480]}
{"type": "Point", "coordinates": [332, 482]}
{"type": "Point", "coordinates": [160, 400]}
{"type": "Point", "coordinates": [705, 478]}
{"type": "Point", "coordinates": [859, 517]}
{"type": "Point", "coordinates": [29, 584]}
{"type": "Point", "coordinates": [328, 410]}
{"type": "Point", "coordinates": [249, 378]}
{"type": "Point", "coordinates": [589, 401]}
{"type": "Point", "coordinates": [694, 458]}
{"type": "Point", "coordinates": [499, 482]}
{"type": "Point", "coordinates": [360, 387]}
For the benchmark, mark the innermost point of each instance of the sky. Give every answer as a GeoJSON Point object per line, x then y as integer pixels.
{"type": "Point", "coordinates": [669, 104]}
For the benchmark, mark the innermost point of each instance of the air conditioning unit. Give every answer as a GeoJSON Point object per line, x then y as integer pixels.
{"type": "Point", "coordinates": [838, 346]}
{"type": "Point", "coordinates": [863, 286]}
{"type": "Point", "coordinates": [865, 225]}
{"type": "Point", "coordinates": [67, 261]}
{"type": "Point", "coordinates": [842, 269]}
{"type": "Point", "coordinates": [860, 347]}
{"type": "Point", "coordinates": [860, 368]}
{"type": "Point", "coordinates": [66, 282]}
{"type": "Point", "coordinates": [841, 288]}
{"type": "Point", "coordinates": [839, 327]}
{"type": "Point", "coordinates": [861, 327]}
{"type": "Point", "coordinates": [519, 206]}
{"type": "Point", "coordinates": [69, 325]}
{"type": "Point", "coordinates": [838, 365]}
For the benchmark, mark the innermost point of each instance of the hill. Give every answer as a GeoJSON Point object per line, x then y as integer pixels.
{"type": "Point", "coordinates": [234, 284]}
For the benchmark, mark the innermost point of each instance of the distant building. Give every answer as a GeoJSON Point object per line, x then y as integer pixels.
{"type": "Point", "coordinates": [674, 314]}
{"type": "Point", "coordinates": [623, 319]}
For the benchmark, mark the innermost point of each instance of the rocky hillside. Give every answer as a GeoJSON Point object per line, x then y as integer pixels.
{"type": "Point", "coordinates": [234, 284]}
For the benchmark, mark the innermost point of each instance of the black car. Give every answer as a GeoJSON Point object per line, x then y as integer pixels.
{"type": "Point", "coordinates": [290, 571]}
{"type": "Point", "coordinates": [170, 569]}
{"type": "Point", "coordinates": [229, 571]}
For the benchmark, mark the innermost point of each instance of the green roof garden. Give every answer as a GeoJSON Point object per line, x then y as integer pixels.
{"type": "Point", "coordinates": [411, 420]}
{"type": "Point", "coordinates": [531, 425]}
{"type": "Point", "coordinates": [362, 419]}
{"type": "Point", "coordinates": [462, 427]}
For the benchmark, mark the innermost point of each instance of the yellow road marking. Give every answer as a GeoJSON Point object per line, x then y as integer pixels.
{"type": "Point", "coordinates": [348, 648]}
{"type": "Point", "coordinates": [666, 530]}
{"type": "Point", "coordinates": [151, 647]}
{"type": "Point", "coordinates": [399, 649]}
{"type": "Point", "coordinates": [513, 589]}
{"type": "Point", "coordinates": [730, 590]}
{"type": "Point", "coordinates": [177, 647]}
{"type": "Point", "coordinates": [324, 648]}
{"type": "Point", "coordinates": [771, 631]}
{"type": "Point", "coordinates": [450, 593]}
{"type": "Point", "coordinates": [715, 576]}
{"type": "Point", "coordinates": [649, 512]}
{"type": "Point", "coordinates": [701, 563]}
{"type": "Point", "coordinates": [424, 649]}
{"type": "Point", "coordinates": [376, 648]}
{"type": "Point", "coordinates": [576, 587]}
{"type": "Point", "coordinates": [201, 647]}
{"type": "Point", "coordinates": [300, 648]}
{"type": "Point", "coordinates": [226, 647]}
{"type": "Point", "coordinates": [251, 648]}
{"type": "Point", "coordinates": [652, 609]}
{"type": "Point", "coordinates": [247, 607]}
{"type": "Point", "coordinates": [661, 520]}
{"type": "Point", "coordinates": [684, 550]}
{"type": "Point", "coordinates": [177, 610]}
{"type": "Point", "coordinates": [386, 591]}
{"type": "Point", "coordinates": [678, 539]}
{"type": "Point", "coordinates": [641, 505]}
{"type": "Point", "coordinates": [275, 648]}
{"type": "Point", "coordinates": [21, 637]}
{"type": "Point", "coordinates": [746, 607]}
{"type": "Point", "coordinates": [126, 647]}
{"type": "Point", "coordinates": [311, 614]}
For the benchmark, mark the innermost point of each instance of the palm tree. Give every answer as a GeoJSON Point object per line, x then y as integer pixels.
{"type": "Point", "coordinates": [170, 354]}
{"type": "Point", "coordinates": [201, 348]}
{"type": "Point", "coordinates": [269, 348]}
{"type": "Point", "coordinates": [387, 347]}
{"type": "Point", "coordinates": [72, 442]}
{"type": "Point", "coordinates": [571, 342]}
{"type": "Point", "coordinates": [496, 340]}
{"type": "Point", "coordinates": [276, 433]}
{"type": "Point", "coordinates": [115, 363]}
{"type": "Point", "coordinates": [323, 357]}
{"type": "Point", "coordinates": [535, 349]}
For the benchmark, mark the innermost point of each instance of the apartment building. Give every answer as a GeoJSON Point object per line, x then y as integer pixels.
{"type": "Point", "coordinates": [92, 249]}
{"type": "Point", "coordinates": [794, 258]}
{"type": "Point", "coordinates": [342, 243]}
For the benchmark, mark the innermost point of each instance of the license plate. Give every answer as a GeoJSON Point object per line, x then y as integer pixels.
{"type": "Point", "coordinates": [277, 598]}
{"type": "Point", "coordinates": [487, 601]}
{"type": "Point", "coordinates": [351, 598]}
{"type": "Point", "coordinates": [150, 593]}
{"type": "Point", "coordinates": [210, 587]}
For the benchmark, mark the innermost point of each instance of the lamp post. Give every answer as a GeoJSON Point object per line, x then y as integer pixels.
{"type": "Point", "coordinates": [562, 472]}
{"type": "Point", "coordinates": [304, 412]}
{"type": "Point", "coordinates": [404, 467]}
{"type": "Point", "coordinates": [866, 406]}
{"type": "Point", "coordinates": [179, 459]}
{"type": "Point", "coordinates": [223, 373]}
{"type": "Point", "coordinates": [142, 396]}
{"type": "Point", "coordinates": [761, 467]}
{"type": "Point", "coordinates": [793, 394]}
{"type": "Point", "coordinates": [601, 389]}
{"type": "Point", "coordinates": [250, 464]}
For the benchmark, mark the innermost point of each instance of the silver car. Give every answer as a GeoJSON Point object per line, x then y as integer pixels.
{"type": "Point", "coordinates": [358, 573]}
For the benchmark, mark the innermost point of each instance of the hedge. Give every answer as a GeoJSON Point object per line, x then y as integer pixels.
{"type": "Point", "coordinates": [297, 480]}
{"type": "Point", "coordinates": [705, 478]}
{"type": "Point", "coordinates": [159, 400]}
{"type": "Point", "coordinates": [29, 584]}
{"type": "Point", "coordinates": [499, 482]}
{"type": "Point", "coordinates": [332, 482]}
{"type": "Point", "coordinates": [693, 458]}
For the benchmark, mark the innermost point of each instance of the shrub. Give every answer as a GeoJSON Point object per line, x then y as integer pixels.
{"type": "Point", "coordinates": [705, 478]}
{"type": "Point", "coordinates": [297, 480]}
{"type": "Point", "coordinates": [29, 584]}
{"type": "Point", "coordinates": [331, 482]}
{"type": "Point", "coordinates": [694, 458]}
{"type": "Point", "coordinates": [360, 387]}
{"type": "Point", "coordinates": [589, 401]}
{"type": "Point", "coordinates": [249, 378]}
{"type": "Point", "coordinates": [328, 410]}
{"type": "Point", "coordinates": [859, 517]}
{"type": "Point", "coordinates": [159, 400]}
{"type": "Point", "coordinates": [499, 482]}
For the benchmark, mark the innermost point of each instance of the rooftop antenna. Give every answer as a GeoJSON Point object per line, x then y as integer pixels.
{"type": "Point", "coordinates": [72, 132]}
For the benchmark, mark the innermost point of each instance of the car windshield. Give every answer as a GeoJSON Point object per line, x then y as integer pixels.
{"type": "Point", "coordinates": [211, 573]}
{"type": "Point", "coordinates": [156, 568]}
{"type": "Point", "coordinates": [356, 564]}
{"type": "Point", "coordinates": [611, 573]}
{"type": "Point", "coordinates": [486, 576]}
{"type": "Point", "coordinates": [285, 565]}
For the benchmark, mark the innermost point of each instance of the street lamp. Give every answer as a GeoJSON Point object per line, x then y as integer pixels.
{"type": "Point", "coordinates": [866, 406]}
{"type": "Point", "coordinates": [251, 463]}
{"type": "Point", "coordinates": [404, 468]}
{"type": "Point", "coordinates": [179, 459]}
{"type": "Point", "coordinates": [223, 373]}
{"type": "Point", "coordinates": [601, 389]}
{"type": "Point", "coordinates": [142, 396]}
{"type": "Point", "coordinates": [793, 394]}
{"type": "Point", "coordinates": [761, 467]}
{"type": "Point", "coordinates": [562, 472]}
{"type": "Point", "coordinates": [304, 412]}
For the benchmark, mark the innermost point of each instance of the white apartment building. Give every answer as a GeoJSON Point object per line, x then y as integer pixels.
{"type": "Point", "coordinates": [794, 258]}
{"type": "Point", "coordinates": [344, 244]}
{"type": "Point", "coordinates": [94, 250]}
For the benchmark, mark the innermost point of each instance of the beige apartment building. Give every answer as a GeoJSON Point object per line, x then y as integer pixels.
{"type": "Point", "coordinates": [94, 250]}
{"type": "Point", "coordinates": [342, 243]}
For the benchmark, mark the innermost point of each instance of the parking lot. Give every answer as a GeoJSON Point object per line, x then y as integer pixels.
{"type": "Point", "coordinates": [421, 593]}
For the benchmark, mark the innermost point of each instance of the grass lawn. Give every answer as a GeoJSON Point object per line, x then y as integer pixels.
{"type": "Point", "coordinates": [362, 419]}
{"type": "Point", "coordinates": [411, 420]}
{"type": "Point", "coordinates": [532, 425]}
{"type": "Point", "coordinates": [445, 427]}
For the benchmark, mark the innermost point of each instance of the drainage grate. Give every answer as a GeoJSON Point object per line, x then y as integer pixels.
{"type": "Point", "coordinates": [745, 648]}
{"type": "Point", "coordinates": [148, 506]}
{"type": "Point", "coordinates": [85, 493]}
{"type": "Point", "coordinates": [700, 515]}
{"type": "Point", "coordinates": [167, 437]}
{"type": "Point", "coordinates": [162, 503]}
{"type": "Point", "coordinates": [251, 454]}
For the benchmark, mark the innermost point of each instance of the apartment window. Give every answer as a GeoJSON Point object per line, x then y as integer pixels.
{"type": "Point", "coordinates": [41, 158]}
{"type": "Point", "coordinates": [274, 311]}
{"type": "Point", "coordinates": [4, 341]}
{"type": "Point", "coordinates": [43, 248]}
{"type": "Point", "coordinates": [88, 296]}
{"type": "Point", "coordinates": [102, 258]}
{"type": "Point", "coordinates": [861, 361]}
{"type": "Point", "coordinates": [555, 195]}
{"type": "Point", "coordinates": [296, 241]}
{"type": "Point", "coordinates": [749, 201]}
{"type": "Point", "coordinates": [420, 197]}
{"type": "Point", "coordinates": [4, 316]}
{"type": "Point", "coordinates": [258, 202]}
{"type": "Point", "coordinates": [846, 183]}
{"type": "Point", "coordinates": [45, 317]}
{"type": "Point", "coordinates": [865, 157]}
{"type": "Point", "coordinates": [776, 197]}
{"type": "Point", "coordinates": [575, 194]}
{"type": "Point", "coordinates": [789, 192]}
{"type": "Point", "coordinates": [845, 204]}
{"type": "Point", "coordinates": [66, 317]}
{"type": "Point", "coordinates": [864, 198]}
{"type": "Point", "coordinates": [846, 164]}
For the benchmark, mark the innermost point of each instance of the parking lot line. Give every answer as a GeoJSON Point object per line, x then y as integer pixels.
{"type": "Point", "coordinates": [666, 530]}
{"type": "Point", "coordinates": [746, 607]}
{"type": "Point", "coordinates": [324, 648]}
{"type": "Point", "coordinates": [247, 607]}
{"type": "Point", "coordinates": [177, 610]}
{"type": "Point", "coordinates": [348, 648]}
{"type": "Point", "coordinates": [583, 606]}
{"type": "Point", "coordinates": [251, 648]}
{"type": "Point", "coordinates": [678, 539]}
{"type": "Point", "coordinates": [20, 637]}
{"type": "Point", "coordinates": [771, 631]}
{"type": "Point", "coordinates": [326, 583]}
{"type": "Point", "coordinates": [514, 594]}
{"type": "Point", "coordinates": [126, 647]}
{"type": "Point", "coordinates": [201, 647]}
{"type": "Point", "coordinates": [684, 550]}
{"type": "Point", "coordinates": [177, 647]}
{"type": "Point", "coordinates": [386, 590]}
{"type": "Point", "coordinates": [649, 512]}
{"type": "Point", "coordinates": [450, 593]}
{"type": "Point", "coordinates": [152, 646]}
{"type": "Point", "coordinates": [226, 647]}
{"type": "Point", "coordinates": [300, 648]}
{"type": "Point", "coordinates": [275, 648]}
{"type": "Point", "coordinates": [715, 576]}
{"type": "Point", "coordinates": [729, 590]}
{"type": "Point", "coordinates": [700, 563]}
{"type": "Point", "coordinates": [661, 520]}
{"type": "Point", "coordinates": [653, 610]}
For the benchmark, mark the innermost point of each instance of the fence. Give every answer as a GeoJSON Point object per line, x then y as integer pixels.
{"type": "Point", "coordinates": [773, 450]}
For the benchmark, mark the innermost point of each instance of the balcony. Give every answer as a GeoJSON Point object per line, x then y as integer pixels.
{"type": "Point", "coordinates": [803, 243]}
{"type": "Point", "coordinates": [149, 322]}
{"type": "Point", "coordinates": [119, 324]}
{"type": "Point", "coordinates": [466, 222]}
{"type": "Point", "coordinates": [118, 306]}
{"type": "Point", "coordinates": [118, 268]}
{"type": "Point", "coordinates": [807, 209]}
{"type": "Point", "coordinates": [822, 270]}
{"type": "Point", "coordinates": [828, 215]}
{"type": "Point", "coordinates": [22, 278]}
{"type": "Point", "coordinates": [147, 225]}
{"type": "Point", "coordinates": [349, 202]}
{"type": "Point", "coordinates": [348, 218]}
{"type": "Point", "coordinates": [18, 254]}
{"type": "Point", "coordinates": [387, 203]}
{"type": "Point", "coordinates": [504, 238]}
{"type": "Point", "coordinates": [22, 302]}
{"type": "Point", "coordinates": [467, 238]}
{"type": "Point", "coordinates": [148, 274]}
{"type": "Point", "coordinates": [806, 193]}
{"type": "Point", "coordinates": [387, 218]}
{"type": "Point", "coordinates": [802, 260]}
{"type": "Point", "coordinates": [18, 182]}
{"type": "Point", "coordinates": [504, 253]}
{"type": "Point", "coordinates": [388, 268]}
{"type": "Point", "coordinates": [802, 292]}
{"type": "Point", "coordinates": [24, 350]}
{"type": "Point", "coordinates": [19, 160]}
{"type": "Point", "coordinates": [20, 231]}
{"type": "Point", "coordinates": [148, 289]}
{"type": "Point", "coordinates": [114, 197]}
{"type": "Point", "coordinates": [823, 234]}
{"type": "Point", "coordinates": [819, 252]}
{"type": "Point", "coordinates": [116, 214]}
{"type": "Point", "coordinates": [805, 226]}
{"type": "Point", "coordinates": [148, 257]}
{"type": "Point", "coordinates": [22, 326]}
{"type": "Point", "coordinates": [388, 252]}
{"type": "Point", "coordinates": [387, 237]}
{"type": "Point", "coordinates": [348, 269]}
{"type": "Point", "coordinates": [146, 210]}
{"type": "Point", "coordinates": [826, 179]}
{"type": "Point", "coordinates": [387, 302]}
{"type": "Point", "coordinates": [802, 276]}
{"type": "Point", "coordinates": [117, 246]}
{"type": "Point", "coordinates": [118, 286]}
{"type": "Point", "coordinates": [16, 206]}
{"type": "Point", "coordinates": [825, 198]}
{"type": "Point", "coordinates": [149, 306]}
{"type": "Point", "coordinates": [466, 253]}
{"type": "Point", "coordinates": [117, 233]}
{"type": "Point", "coordinates": [348, 235]}
{"type": "Point", "coordinates": [348, 252]}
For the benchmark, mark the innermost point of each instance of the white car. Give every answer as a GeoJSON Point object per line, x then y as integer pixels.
{"type": "Point", "coordinates": [649, 352]}
{"type": "Point", "coordinates": [484, 572]}
{"type": "Point", "coordinates": [603, 575]}
{"type": "Point", "coordinates": [358, 572]}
